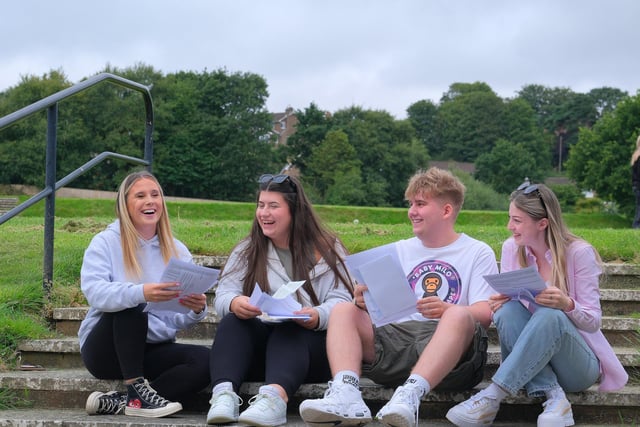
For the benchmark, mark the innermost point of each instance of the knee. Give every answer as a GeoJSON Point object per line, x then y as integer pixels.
{"type": "Point", "coordinates": [346, 313]}
{"type": "Point", "coordinates": [342, 311]}
{"type": "Point", "coordinates": [458, 315]}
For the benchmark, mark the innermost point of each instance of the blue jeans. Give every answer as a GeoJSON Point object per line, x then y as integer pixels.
{"type": "Point", "coordinates": [541, 351]}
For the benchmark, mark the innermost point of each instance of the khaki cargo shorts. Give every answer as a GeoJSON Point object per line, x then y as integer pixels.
{"type": "Point", "coordinates": [398, 347]}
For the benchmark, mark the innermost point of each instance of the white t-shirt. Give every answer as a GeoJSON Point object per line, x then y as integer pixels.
{"type": "Point", "coordinates": [454, 272]}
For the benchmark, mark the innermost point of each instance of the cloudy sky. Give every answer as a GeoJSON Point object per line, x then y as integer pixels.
{"type": "Point", "coordinates": [377, 54]}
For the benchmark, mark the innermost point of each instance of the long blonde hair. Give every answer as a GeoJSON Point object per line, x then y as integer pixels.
{"type": "Point", "coordinates": [538, 201]}
{"type": "Point", "coordinates": [129, 236]}
{"type": "Point", "coordinates": [636, 153]}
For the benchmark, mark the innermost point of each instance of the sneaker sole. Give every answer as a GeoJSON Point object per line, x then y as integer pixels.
{"type": "Point", "coordinates": [171, 408]}
{"type": "Point", "coordinates": [221, 419]}
{"type": "Point", "coordinates": [315, 417]}
{"type": "Point", "coordinates": [461, 422]}
{"type": "Point", "coordinates": [262, 423]}
{"type": "Point", "coordinates": [93, 403]}
{"type": "Point", "coordinates": [395, 420]}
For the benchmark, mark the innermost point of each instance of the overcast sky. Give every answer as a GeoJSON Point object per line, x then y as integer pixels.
{"type": "Point", "coordinates": [377, 54]}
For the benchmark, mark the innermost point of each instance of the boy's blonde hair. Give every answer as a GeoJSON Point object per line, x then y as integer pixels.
{"type": "Point", "coordinates": [437, 183]}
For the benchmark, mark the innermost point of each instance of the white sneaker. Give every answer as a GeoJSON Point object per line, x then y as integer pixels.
{"type": "Point", "coordinates": [342, 404]}
{"type": "Point", "coordinates": [264, 410]}
{"type": "Point", "coordinates": [478, 410]}
{"type": "Point", "coordinates": [557, 412]}
{"type": "Point", "coordinates": [225, 407]}
{"type": "Point", "coordinates": [402, 409]}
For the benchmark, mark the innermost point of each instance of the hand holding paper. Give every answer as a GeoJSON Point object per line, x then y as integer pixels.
{"type": "Point", "coordinates": [193, 279]}
{"type": "Point", "coordinates": [524, 283]}
{"type": "Point", "coordinates": [281, 305]}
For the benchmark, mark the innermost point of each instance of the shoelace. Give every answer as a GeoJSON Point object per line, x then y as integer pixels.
{"type": "Point", "coordinates": [335, 394]}
{"type": "Point", "coordinates": [112, 404]}
{"type": "Point", "coordinates": [477, 400]}
{"type": "Point", "coordinates": [405, 395]}
{"type": "Point", "coordinates": [552, 405]}
{"type": "Point", "coordinates": [150, 395]}
{"type": "Point", "coordinates": [218, 398]}
{"type": "Point", "coordinates": [261, 400]}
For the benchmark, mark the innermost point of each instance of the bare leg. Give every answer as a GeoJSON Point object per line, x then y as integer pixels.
{"type": "Point", "coordinates": [350, 339]}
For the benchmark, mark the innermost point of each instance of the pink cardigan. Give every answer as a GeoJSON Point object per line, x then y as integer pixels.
{"type": "Point", "coordinates": [583, 273]}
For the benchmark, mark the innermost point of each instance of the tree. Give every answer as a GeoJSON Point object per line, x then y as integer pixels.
{"type": "Point", "coordinates": [561, 113]}
{"type": "Point", "coordinates": [600, 160]}
{"type": "Point", "coordinates": [313, 125]}
{"type": "Point", "coordinates": [422, 116]}
{"type": "Point", "coordinates": [605, 99]}
{"type": "Point", "coordinates": [505, 166]}
{"type": "Point", "coordinates": [22, 145]}
{"type": "Point", "coordinates": [387, 149]}
{"type": "Point", "coordinates": [211, 139]}
{"type": "Point", "coordinates": [334, 170]}
{"type": "Point", "coordinates": [469, 122]}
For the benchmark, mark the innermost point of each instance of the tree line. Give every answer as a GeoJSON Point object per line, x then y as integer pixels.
{"type": "Point", "coordinates": [213, 137]}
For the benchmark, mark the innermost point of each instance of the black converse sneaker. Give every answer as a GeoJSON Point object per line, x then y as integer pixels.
{"type": "Point", "coordinates": [144, 401]}
{"type": "Point", "coordinates": [111, 403]}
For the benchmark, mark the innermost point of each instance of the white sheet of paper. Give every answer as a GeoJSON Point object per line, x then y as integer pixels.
{"type": "Point", "coordinates": [193, 279]}
{"type": "Point", "coordinates": [524, 283]}
{"type": "Point", "coordinates": [282, 307]}
{"type": "Point", "coordinates": [389, 296]}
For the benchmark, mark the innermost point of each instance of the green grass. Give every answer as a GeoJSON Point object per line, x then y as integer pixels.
{"type": "Point", "coordinates": [213, 228]}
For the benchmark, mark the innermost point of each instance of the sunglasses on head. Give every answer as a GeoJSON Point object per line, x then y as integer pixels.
{"type": "Point", "coordinates": [530, 188]}
{"type": "Point", "coordinates": [276, 179]}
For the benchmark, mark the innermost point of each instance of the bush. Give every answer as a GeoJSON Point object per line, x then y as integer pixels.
{"type": "Point", "coordinates": [592, 205]}
{"type": "Point", "coordinates": [568, 195]}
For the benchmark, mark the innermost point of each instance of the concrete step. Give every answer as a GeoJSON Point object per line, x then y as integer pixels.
{"type": "Point", "coordinates": [64, 353]}
{"type": "Point", "coordinates": [619, 330]}
{"type": "Point", "coordinates": [69, 388]}
{"type": "Point", "coordinates": [78, 418]}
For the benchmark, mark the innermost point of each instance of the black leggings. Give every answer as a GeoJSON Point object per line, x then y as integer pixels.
{"type": "Point", "coordinates": [285, 354]}
{"type": "Point", "coordinates": [116, 348]}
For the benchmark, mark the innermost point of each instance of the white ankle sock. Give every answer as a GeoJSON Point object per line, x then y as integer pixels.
{"type": "Point", "coordinates": [495, 391]}
{"type": "Point", "coordinates": [556, 393]}
{"type": "Point", "coordinates": [420, 382]}
{"type": "Point", "coordinates": [226, 386]}
{"type": "Point", "coordinates": [347, 377]}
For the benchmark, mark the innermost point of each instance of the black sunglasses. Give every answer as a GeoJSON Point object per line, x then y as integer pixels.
{"type": "Point", "coordinates": [276, 179]}
{"type": "Point", "coordinates": [530, 188]}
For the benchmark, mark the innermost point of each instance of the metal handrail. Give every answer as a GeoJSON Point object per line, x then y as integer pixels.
{"type": "Point", "coordinates": [50, 103]}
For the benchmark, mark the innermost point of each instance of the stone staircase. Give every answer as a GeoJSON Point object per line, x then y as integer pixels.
{"type": "Point", "coordinates": [57, 393]}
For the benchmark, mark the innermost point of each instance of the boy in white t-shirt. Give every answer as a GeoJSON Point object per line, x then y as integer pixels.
{"type": "Point", "coordinates": [443, 345]}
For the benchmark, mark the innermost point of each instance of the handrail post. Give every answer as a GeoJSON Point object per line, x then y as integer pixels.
{"type": "Point", "coordinates": [50, 202]}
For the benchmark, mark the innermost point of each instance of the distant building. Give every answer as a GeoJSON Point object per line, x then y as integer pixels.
{"type": "Point", "coordinates": [468, 167]}
{"type": "Point", "coordinates": [284, 125]}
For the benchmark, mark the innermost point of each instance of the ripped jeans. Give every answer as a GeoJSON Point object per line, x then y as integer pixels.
{"type": "Point", "coordinates": [542, 350]}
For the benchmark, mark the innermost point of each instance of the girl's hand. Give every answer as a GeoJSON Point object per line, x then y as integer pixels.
{"type": "Point", "coordinates": [496, 301]}
{"type": "Point", "coordinates": [312, 322]}
{"type": "Point", "coordinates": [160, 292]}
{"type": "Point", "coordinates": [194, 302]}
{"type": "Point", "coordinates": [242, 309]}
{"type": "Point", "coordinates": [553, 297]}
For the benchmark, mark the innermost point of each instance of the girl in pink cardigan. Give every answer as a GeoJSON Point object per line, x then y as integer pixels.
{"type": "Point", "coordinates": [555, 344]}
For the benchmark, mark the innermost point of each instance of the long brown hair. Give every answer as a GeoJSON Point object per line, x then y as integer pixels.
{"type": "Point", "coordinates": [308, 238]}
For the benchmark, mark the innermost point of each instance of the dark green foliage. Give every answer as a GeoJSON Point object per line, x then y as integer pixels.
{"type": "Point", "coordinates": [600, 160]}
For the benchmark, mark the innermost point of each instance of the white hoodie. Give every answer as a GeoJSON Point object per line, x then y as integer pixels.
{"type": "Point", "coordinates": [103, 282]}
